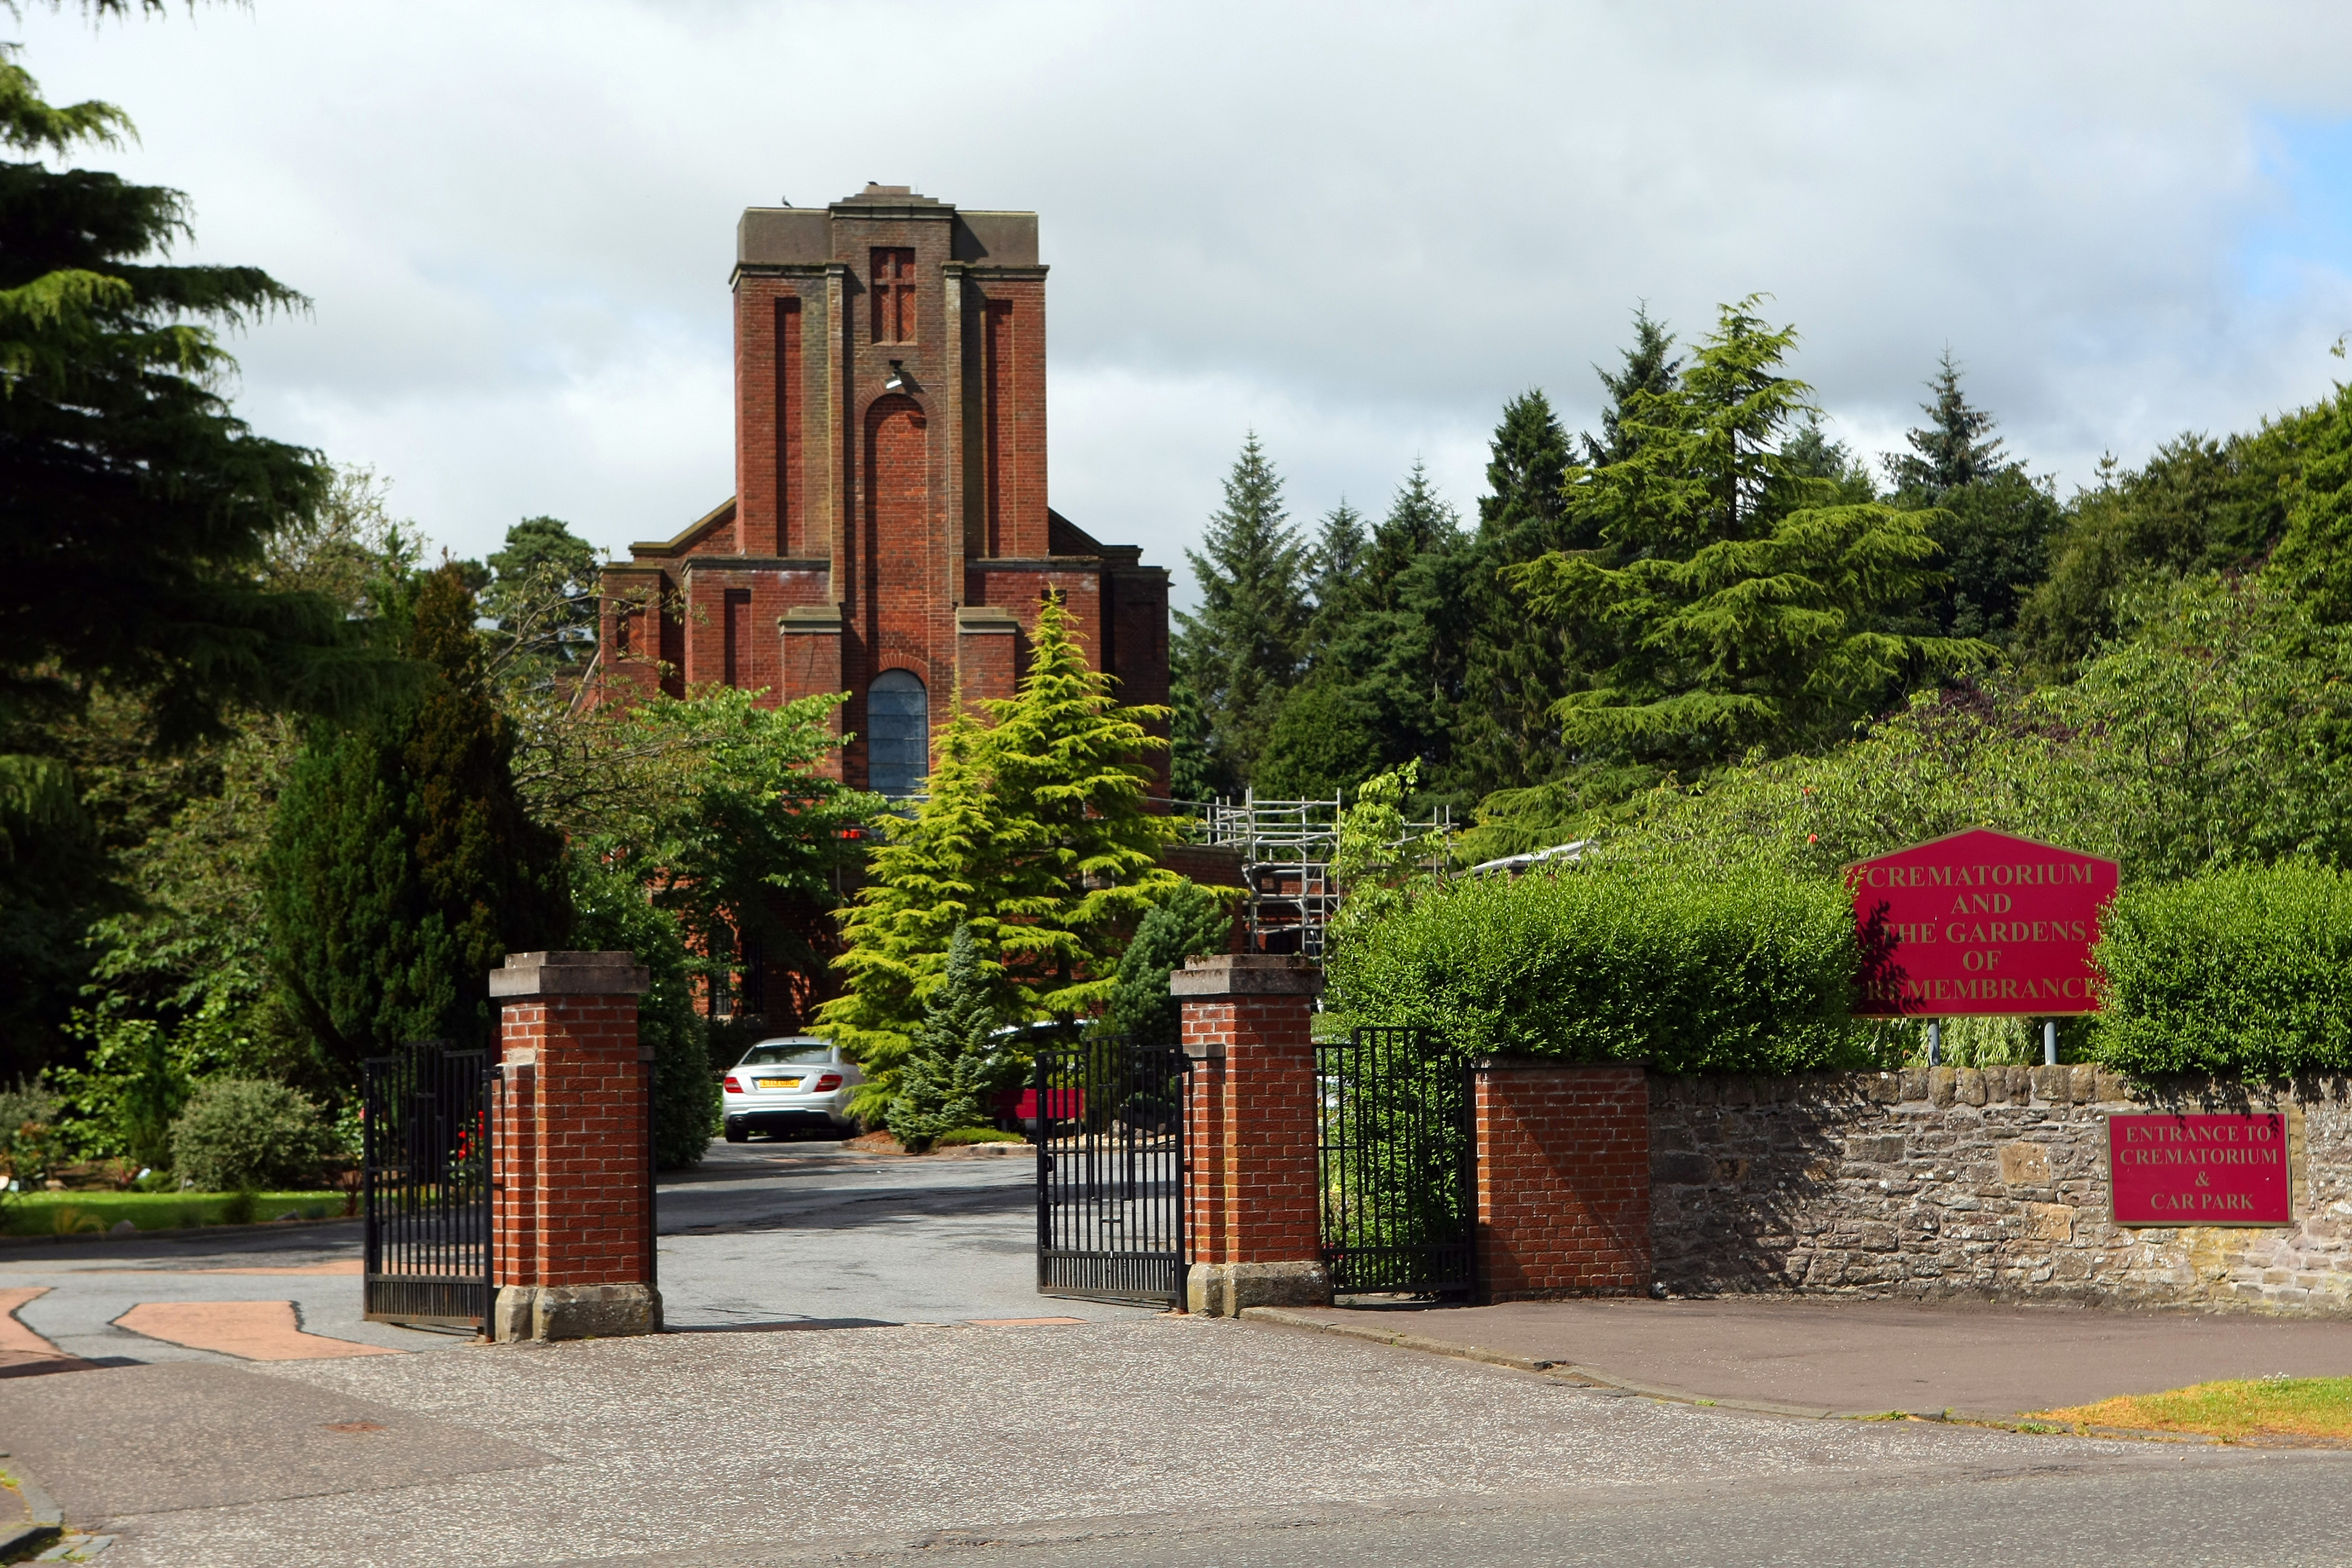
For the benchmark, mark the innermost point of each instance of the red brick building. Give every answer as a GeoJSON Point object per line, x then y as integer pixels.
{"type": "Point", "coordinates": [889, 534]}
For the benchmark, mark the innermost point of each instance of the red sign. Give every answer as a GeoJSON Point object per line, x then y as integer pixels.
{"type": "Point", "coordinates": [1980, 922]}
{"type": "Point", "coordinates": [2199, 1170]}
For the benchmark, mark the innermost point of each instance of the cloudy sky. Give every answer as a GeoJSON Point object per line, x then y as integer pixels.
{"type": "Point", "coordinates": [1356, 227]}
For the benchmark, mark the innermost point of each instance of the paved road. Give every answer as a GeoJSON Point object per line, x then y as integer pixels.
{"type": "Point", "coordinates": [774, 1234]}
{"type": "Point", "coordinates": [1124, 1438]}
{"type": "Point", "coordinates": [762, 1234]}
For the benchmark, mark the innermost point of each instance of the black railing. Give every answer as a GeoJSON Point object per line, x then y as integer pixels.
{"type": "Point", "coordinates": [427, 1187]}
{"type": "Point", "coordinates": [1398, 1194]}
{"type": "Point", "coordinates": [1108, 1121]}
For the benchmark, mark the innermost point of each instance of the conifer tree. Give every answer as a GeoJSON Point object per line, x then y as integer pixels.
{"type": "Point", "coordinates": [401, 867]}
{"type": "Point", "coordinates": [954, 1067]}
{"type": "Point", "coordinates": [135, 509]}
{"type": "Point", "coordinates": [1387, 685]}
{"type": "Point", "coordinates": [1951, 450]}
{"type": "Point", "coordinates": [1731, 604]}
{"type": "Point", "coordinates": [1082, 852]}
{"type": "Point", "coordinates": [1992, 517]}
{"type": "Point", "coordinates": [1516, 664]}
{"type": "Point", "coordinates": [934, 874]}
{"type": "Point", "coordinates": [1034, 836]}
{"type": "Point", "coordinates": [1242, 652]}
{"type": "Point", "coordinates": [1649, 371]}
{"type": "Point", "coordinates": [1341, 545]}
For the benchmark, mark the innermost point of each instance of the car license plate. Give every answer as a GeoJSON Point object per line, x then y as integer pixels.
{"type": "Point", "coordinates": [776, 1083]}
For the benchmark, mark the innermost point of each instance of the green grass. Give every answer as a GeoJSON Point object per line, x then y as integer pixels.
{"type": "Point", "coordinates": [54, 1214]}
{"type": "Point", "coordinates": [977, 1135]}
{"type": "Point", "coordinates": [2259, 1407]}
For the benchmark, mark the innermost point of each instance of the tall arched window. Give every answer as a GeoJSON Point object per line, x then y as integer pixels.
{"type": "Point", "coordinates": [897, 733]}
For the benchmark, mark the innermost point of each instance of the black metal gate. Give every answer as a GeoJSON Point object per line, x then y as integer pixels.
{"type": "Point", "coordinates": [1109, 1120]}
{"type": "Point", "coordinates": [426, 1175]}
{"type": "Point", "coordinates": [1400, 1196]}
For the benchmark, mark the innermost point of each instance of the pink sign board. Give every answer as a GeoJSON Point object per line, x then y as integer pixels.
{"type": "Point", "coordinates": [1981, 923]}
{"type": "Point", "coordinates": [2199, 1170]}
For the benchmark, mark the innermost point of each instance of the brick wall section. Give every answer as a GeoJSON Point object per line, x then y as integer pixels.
{"type": "Point", "coordinates": [1961, 1183]}
{"type": "Point", "coordinates": [572, 1202]}
{"type": "Point", "coordinates": [1251, 1184]}
{"type": "Point", "coordinates": [764, 340]}
{"type": "Point", "coordinates": [1563, 1173]}
{"type": "Point", "coordinates": [1014, 371]}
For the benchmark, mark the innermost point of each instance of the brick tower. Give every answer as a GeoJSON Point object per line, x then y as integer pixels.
{"type": "Point", "coordinates": [890, 535]}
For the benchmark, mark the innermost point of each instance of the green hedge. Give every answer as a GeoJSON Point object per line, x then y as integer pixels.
{"type": "Point", "coordinates": [1715, 969]}
{"type": "Point", "coordinates": [2242, 973]}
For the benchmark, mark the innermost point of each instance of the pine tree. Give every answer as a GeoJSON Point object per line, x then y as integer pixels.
{"type": "Point", "coordinates": [1340, 546]}
{"type": "Point", "coordinates": [1242, 651]}
{"type": "Point", "coordinates": [542, 592]}
{"type": "Point", "coordinates": [1992, 520]}
{"type": "Point", "coordinates": [936, 873]}
{"type": "Point", "coordinates": [1387, 685]}
{"type": "Point", "coordinates": [402, 866]}
{"type": "Point", "coordinates": [1951, 450]}
{"type": "Point", "coordinates": [1648, 372]}
{"type": "Point", "coordinates": [1082, 851]}
{"type": "Point", "coordinates": [1732, 604]}
{"type": "Point", "coordinates": [953, 1067]}
{"type": "Point", "coordinates": [1517, 664]}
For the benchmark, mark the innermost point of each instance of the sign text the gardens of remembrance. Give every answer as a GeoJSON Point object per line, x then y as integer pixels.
{"type": "Point", "coordinates": [2199, 1170]}
{"type": "Point", "coordinates": [1981, 923]}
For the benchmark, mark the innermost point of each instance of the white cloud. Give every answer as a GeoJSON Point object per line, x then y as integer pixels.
{"type": "Point", "coordinates": [1358, 228]}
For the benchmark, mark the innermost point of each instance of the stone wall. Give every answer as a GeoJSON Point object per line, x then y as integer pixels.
{"type": "Point", "coordinates": [1992, 1184]}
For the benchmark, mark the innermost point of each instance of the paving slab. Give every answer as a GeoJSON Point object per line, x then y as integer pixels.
{"type": "Point", "coordinates": [1869, 1356]}
{"type": "Point", "coordinates": [250, 1331]}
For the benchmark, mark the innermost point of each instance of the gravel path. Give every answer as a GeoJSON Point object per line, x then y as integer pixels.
{"type": "Point", "coordinates": [715, 1441]}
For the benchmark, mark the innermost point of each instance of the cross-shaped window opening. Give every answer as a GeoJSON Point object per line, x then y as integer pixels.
{"type": "Point", "coordinates": [893, 291]}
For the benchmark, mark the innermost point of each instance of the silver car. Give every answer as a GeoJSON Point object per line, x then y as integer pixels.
{"type": "Point", "coordinates": [789, 1085]}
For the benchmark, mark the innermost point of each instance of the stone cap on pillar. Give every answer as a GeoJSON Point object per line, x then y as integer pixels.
{"type": "Point", "coordinates": [1246, 975]}
{"type": "Point", "coordinates": [570, 975]}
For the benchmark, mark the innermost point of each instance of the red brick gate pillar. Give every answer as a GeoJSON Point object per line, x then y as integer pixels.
{"type": "Point", "coordinates": [571, 1209]}
{"type": "Point", "coordinates": [1250, 1186]}
{"type": "Point", "coordinates": [1563, 1164]}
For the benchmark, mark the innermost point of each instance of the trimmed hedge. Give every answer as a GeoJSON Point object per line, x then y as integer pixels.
{"type": "Point", "coordinates": [2241, 973]}
{"type": "Point", "coordinates": [1712, 969]}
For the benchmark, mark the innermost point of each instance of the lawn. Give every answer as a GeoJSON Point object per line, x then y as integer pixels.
{"type": "Point", "coordinates": [57, 1213]}
{"type": "Point", "coordinates": [2260, 1408]}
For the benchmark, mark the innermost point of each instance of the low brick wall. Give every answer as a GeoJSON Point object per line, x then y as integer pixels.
{"type": "Point", "coordinates": [1948, 1182]}
{"type": "Point", "coordinates": [1562, 1167]}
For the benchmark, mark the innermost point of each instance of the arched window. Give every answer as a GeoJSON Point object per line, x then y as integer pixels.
{"type": "Point", "coordinates": [897, 733]}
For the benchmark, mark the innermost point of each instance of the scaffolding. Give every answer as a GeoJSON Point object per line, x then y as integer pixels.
{"type": "Point", "coordinates": [1286, 847]}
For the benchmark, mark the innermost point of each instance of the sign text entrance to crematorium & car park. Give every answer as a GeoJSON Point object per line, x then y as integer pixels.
{"type": "Point", "coordinates": [1980, 922]}
{"type": "Point", "coordinates": [2199, 1170]}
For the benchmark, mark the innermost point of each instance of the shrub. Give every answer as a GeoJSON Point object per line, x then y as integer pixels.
{"type": "Point", "coordinates": [243, 1134]}
{"type": "Point", "coordinates": [29, 1119]}
{"type": "Point", "coordinates": [955, 1066]}
{"type": "Point", "coordinates": [2237, 974]}
{"type": "Point", "coordinates": [612, 914]}
{"type": "Point", "coordinates": [1194, 920]}
{"type": "Point", "coordinates": [1688, 968]}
